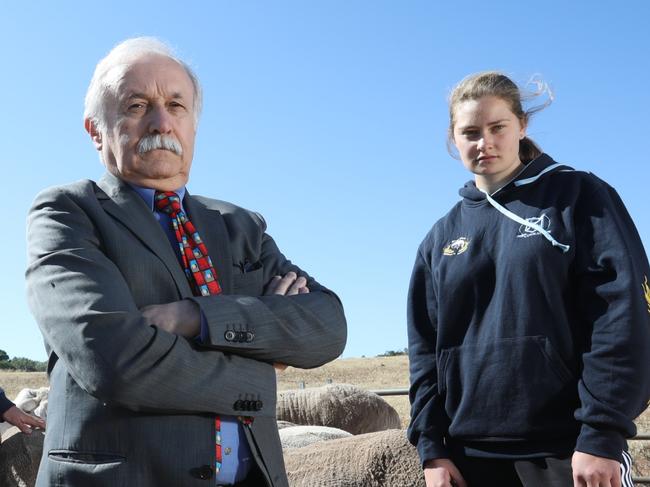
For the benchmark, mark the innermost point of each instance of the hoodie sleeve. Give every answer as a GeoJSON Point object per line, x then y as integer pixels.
{"type": "Point", "coordinates": [428, 419]}
{"type": "Point", "coordinates": [614, 306]}
{"type": "Point", "coordinates": [5, 404]}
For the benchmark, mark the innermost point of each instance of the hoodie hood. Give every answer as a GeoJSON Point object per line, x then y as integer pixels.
{"type": "Point", "coordinates": [537, 168]}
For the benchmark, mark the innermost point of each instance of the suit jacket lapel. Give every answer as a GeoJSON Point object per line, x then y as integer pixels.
{"type": "Point", "coordinates": [212, 228]}
{"type": "Point", "coordinates": [126, 206]}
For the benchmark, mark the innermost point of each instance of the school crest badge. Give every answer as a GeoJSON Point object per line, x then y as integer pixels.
{"type": "Point", "coordinates": [456, 247]}
{"type": "Point", "coordinates": [541, 221]}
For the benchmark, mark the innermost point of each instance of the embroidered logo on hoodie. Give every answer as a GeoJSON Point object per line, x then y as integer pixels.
{"type": "Point", "coordinates": [541, 221]}
{"type": "Point", "coordinates": [457, 246]}
{"type": "Point", "coordinates": [646, 291]}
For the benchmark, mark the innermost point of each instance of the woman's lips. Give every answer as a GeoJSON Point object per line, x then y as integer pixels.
{"type": "Point", "coordinates": [485, 158]}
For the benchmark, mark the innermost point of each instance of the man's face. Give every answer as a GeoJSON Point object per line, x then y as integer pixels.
{"type": "Point", "coordinates": [155, 97]}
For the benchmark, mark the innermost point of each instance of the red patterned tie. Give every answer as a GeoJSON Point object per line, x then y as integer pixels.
{"type": "Point", "coordinates": [196, 261]}
{"type": "Point", "coordinates": [198, 269]}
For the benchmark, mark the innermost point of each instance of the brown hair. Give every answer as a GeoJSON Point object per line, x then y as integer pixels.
{"type": "Point", "coordinates": [493, 83]}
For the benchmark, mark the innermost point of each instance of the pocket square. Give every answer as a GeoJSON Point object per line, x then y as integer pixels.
{"type": "Point", "coordinates": [247, 266]}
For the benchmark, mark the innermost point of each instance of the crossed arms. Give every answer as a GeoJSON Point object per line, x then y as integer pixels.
{"type": "Point", "coordinates": [89, 315]}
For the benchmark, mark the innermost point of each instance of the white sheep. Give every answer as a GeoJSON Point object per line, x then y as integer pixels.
{"type": "Point", "coordinates": [299, 436]}
{"type": "Point", "coordinates": [341, 406]}
{"type": "Point", "coordinates": [380, 459]}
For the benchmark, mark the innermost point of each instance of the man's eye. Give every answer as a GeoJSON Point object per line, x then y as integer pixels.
{"type": "Point", "coordinates": [176, 106]}
{"type": "Point", "coordinates": [498, 128]}
{"type": "Point", "coordinates": [471, 134]}
{"type": "Point", "coordinates": [136, 107]}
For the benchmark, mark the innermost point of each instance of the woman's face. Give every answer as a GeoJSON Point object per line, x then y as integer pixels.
{"type": "Point", "coordinates": [487, 134]}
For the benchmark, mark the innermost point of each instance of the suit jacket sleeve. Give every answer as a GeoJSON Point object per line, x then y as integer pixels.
{"type": "Point", "coordinates": [88, 317]}
{"type": "Point", "coordinates": [305, 330]}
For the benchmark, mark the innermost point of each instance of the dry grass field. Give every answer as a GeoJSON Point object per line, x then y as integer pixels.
{"type": "Point", "coordinates": [369, 373]}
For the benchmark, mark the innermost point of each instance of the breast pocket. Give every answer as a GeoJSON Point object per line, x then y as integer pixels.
{"type": "Point", "coordinates": [250, 283]}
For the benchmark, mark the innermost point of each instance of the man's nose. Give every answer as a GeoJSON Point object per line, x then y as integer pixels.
{"type": "Point", "coordinates": [160, 121]}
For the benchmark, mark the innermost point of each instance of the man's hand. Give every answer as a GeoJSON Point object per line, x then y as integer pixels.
{"type": "Point", "coordinates": [24, 421]}
{"type": "Point", "coordinates": [592, 471]}
{"type": "Point", "coordinates": [288, 285]}
{"type": "Point", "coordinates": [442, 472]}
{"type": "Point", "coordinates": [180, 317]}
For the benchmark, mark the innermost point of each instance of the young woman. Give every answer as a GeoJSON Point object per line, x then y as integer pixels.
{"type": "Point", "coordinates": [528, 314]}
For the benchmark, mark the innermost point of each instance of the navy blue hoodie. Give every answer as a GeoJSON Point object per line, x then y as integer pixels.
{"type": "Point", "coordinates": [529, 321]}
{"type": "Point", "coordinates": [5, 404]}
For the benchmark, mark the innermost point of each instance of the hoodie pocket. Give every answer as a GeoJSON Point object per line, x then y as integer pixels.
{"type": "Point", "coordinates": [514, 387]}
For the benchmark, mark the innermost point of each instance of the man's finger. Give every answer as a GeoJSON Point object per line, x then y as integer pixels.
{"type": "Point", "coordinates": [303, 290]}
{"type": "Point", "coordinates": [284, 283]}
{"type": "Point", "coordinates": [295, 287]}
{"type": "Point", "coordinates": [272, 285]}
{"type": "Point", "coordinates": [35, 422]}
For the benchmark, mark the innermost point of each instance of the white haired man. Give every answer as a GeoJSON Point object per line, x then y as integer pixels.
{"type": "Point", "coordinates": [163, 314]}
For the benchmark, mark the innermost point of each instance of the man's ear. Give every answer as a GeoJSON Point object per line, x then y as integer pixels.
{"type": "Point", "coordinates": [91, 127]}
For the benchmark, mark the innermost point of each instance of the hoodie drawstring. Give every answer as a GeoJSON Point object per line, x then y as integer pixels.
{"type": "Point", "coordinates": [521, 182]}
{"type": "Point", "coordinates": [503, 210]}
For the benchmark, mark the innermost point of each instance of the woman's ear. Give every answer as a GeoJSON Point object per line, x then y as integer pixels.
{"type": "Point", "coordinates": [522, 130]}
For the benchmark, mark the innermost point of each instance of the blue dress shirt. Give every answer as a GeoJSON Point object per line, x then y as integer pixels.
{"type": "Point", "coordinates": [237, 458]}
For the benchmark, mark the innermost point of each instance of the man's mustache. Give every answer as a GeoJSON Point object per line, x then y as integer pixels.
{"type": "Point", "coordinates": [159, 141]}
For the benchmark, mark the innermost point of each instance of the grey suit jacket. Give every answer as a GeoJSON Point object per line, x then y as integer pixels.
{"type": "Point", "coordinates": [131, 404]}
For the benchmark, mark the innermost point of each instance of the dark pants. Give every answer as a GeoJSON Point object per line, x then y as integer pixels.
{"type": "Point", "coordinates": [255, 479]}
{"type": "Point", "coordinates": [536, 472]}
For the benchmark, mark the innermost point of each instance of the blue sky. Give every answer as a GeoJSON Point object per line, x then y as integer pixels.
{"type": "Point", "coordinates": [328, 117]}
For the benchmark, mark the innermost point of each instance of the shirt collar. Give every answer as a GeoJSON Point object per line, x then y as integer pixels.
{"type": "Point", "coordinates": [147, 194]}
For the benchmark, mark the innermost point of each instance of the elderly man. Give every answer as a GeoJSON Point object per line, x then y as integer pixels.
{"type": "Point", "coordinates": [163, 313]}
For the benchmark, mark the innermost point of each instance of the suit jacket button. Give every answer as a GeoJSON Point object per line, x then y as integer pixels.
{"type": "Point", "coordinates": [258, 405]}
{"type": "Point", "coordinates": [249, 405]}
{"type": "Point", "coordinates": [229, 335]}
{"type": "Point", "coordinates": [238, 406]}
{"type": "Point", "coordinates": [249, 336]}
{"type": "Point", "coordinates": [203, 472]}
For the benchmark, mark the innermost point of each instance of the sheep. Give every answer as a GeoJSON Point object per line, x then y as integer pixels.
{"type": "Point", "coordinates": [380, 459]}
{"type": "Point", "coordinates": [299, 436]}
{"type": "Point", "coordinates": [20, 456]}
{"type": "Point", "coordinates": [341, 406]}
{"type": "Point", "coordinates": [33, 401]}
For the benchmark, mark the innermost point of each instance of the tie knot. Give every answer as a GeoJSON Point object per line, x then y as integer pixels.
{"type": "Point", "coordinates": [167, 201]}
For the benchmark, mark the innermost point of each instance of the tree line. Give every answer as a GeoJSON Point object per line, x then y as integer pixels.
{"type": "Point", "coordinates": [21, 364]}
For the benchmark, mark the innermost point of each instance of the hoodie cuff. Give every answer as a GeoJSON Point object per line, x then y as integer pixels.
{"type": "Point", "coordinates": [601, 443]}
{"type": "Point", "coordinates": [431, 448]}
